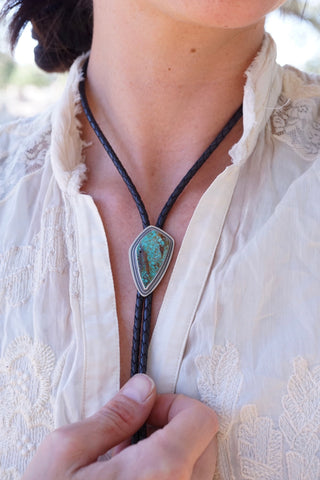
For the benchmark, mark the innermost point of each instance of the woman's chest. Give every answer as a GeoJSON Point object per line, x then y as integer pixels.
{"type": "Point", "coordinates": [122, 224]}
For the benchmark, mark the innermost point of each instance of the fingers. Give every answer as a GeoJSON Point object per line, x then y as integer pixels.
{"type": "Point", "coordinates": [179, 449]}
{"type": "Point", "coordinates": [124, 414]}
{"type": "Point", "coordinates": [190, 426]}
{"type": "Point", "coordinates": [119, 419]}
{"type": "Point", "coordinates": [82, 443]}
{"type": "Point", "coordinates": [205, 467]}
{"type": "Point", "coordinates": [183, 449]}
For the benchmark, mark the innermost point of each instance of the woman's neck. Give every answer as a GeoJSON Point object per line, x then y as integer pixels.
{"type": "Point", "coordinates": [154, 82]}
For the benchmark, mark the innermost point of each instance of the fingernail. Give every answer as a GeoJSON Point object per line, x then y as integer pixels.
{"type": "Point", "coordinates": [138, 388]}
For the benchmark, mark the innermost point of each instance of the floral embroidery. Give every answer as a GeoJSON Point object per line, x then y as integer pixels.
{"type": "Point", "coordinates": [26, 396]}
{"type": "Point", "coordinates": [29, 153]}
{"type": "Point", "coordinates": [297, 124]}
{"type": "Point", "coordinates": [300, 422]}
{"type": "Point", "coordinates": [260, 447]}
{"type": "Point", "coordinates": [266, 450]}
{"type": "Point", "coordinates": [219, 385]}
{"type": "Point", "coordinates": [23, 269]}
{"type": "Point", "coordinates": [9, 474]}
{"type": "Point", "coordinates": [263, 448]}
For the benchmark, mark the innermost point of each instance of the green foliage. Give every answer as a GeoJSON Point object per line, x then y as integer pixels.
{"type": "Point", "coordinates": [313, 66]}
{"type": "Point", "coordinates": [30, 75]}
{"type": "Point", "coordinates": [21, 75]}
{"type": "Point", "coordinates": [7, 67]}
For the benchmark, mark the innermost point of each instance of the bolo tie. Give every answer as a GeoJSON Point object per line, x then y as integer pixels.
{"type": "Point", "coordinates": [151, 252]}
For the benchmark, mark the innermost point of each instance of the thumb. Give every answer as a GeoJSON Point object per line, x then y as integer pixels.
{"type": "Point", "coordinates": [84, 442]}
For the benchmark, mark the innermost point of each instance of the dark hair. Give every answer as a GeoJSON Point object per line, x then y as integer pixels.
{"type": "Point", "coordinates": [63, 29]}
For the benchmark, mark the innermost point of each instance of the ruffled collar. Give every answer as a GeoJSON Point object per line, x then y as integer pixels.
{"type": "Point", "coordinates": [261, 92]}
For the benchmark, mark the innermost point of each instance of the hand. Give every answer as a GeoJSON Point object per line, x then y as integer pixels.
{"type": "Point", "coordinates": [182, 448]}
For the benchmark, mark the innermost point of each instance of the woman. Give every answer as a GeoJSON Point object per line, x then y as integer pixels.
{"type": "Point", "coordinates": [234, 319]}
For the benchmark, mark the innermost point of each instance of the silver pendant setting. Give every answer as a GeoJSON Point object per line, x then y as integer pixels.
{"type": "Point", "coordinates": [149, 256]}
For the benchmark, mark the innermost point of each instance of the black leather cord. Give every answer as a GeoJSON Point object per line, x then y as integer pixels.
{"type": "Point", "coordinates": [142, 319]}
{"type": "Point", "coordinates": [196, 166]}
{"type": "Point", "coordinates": [106, 145]}
{"type": "Point", "coordinates": [136, 334]}
{"type": "Point", "coordinates": [145, 336]}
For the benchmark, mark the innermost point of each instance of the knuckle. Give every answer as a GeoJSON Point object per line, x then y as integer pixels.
{"type": "Point", "coordinates": [62, 443]}
{"type": "Point", "coordinates": [211, 419]}
{"type": "Point", "coordinates": [176, 470]}
{"type": "Point", "coordinates": [166, 470]}
{"type": "Point", "coordinates": [172, 463]}
{"type": "Point", "coordinates": [206, 415]}
{"type": "Point", "coordinates": [172, 469]}
{"type": "Point", "coordinates": [118, 416]}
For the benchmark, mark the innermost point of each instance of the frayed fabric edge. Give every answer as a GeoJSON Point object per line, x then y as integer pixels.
{"type": "Point", "coordinates": [67, 146]}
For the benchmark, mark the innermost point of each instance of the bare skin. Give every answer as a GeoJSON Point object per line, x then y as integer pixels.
{"type": "Point", "coordinates": [163, 79]}
{"type": "Point", "coordinates": [121, 220]}
{"type": "Point", "coordinates": [173, 451]}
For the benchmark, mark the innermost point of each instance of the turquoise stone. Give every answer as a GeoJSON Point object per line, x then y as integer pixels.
{"type": "Point", "coordinates": [151, 251]}
{"type": "Point", "coordinates": [150, 255]}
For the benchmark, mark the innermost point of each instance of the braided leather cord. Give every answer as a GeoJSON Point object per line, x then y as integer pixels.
{"type": "Point", "coordinates": [165, 211]}
{"type": "Point", "coordinates": [145, 335]}
{"type": "Point", "coordinates": [106, 145]}
{"type": "Point", "coordinates": [196, 166]}
{"type": "Point", "coordinates": [136, 334]}
{"type": "Point", "coordinates": [141, 328]}
{"type": "Point", "coordinates": [140, 434]}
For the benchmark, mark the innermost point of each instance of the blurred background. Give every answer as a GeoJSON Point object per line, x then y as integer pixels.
{"type": "Point", "coordinates": [26, 90]}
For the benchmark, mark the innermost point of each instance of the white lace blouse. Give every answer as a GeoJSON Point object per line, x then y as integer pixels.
{"type": "Point", "coordinates": [239, 327]}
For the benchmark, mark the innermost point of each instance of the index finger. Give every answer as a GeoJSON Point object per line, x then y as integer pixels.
{"type": "Point", "coordinates": [171, 452]}
{"type": "Point", "coordinates": [188, 425]}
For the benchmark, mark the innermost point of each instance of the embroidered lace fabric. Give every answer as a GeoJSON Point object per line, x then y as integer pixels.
{"type": "Point", "coordinates": [286, 449]}
{"type": "Point", "coordinates": [219, 384]}
{"type": "Point", "coordinates": [24, 147]}
{"type": "Point", "coordinates": [29, 375]}
{"type": "Point", "coordinates": [296, 122]}
{"type": "Point", "coordinates": [24, 268]}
